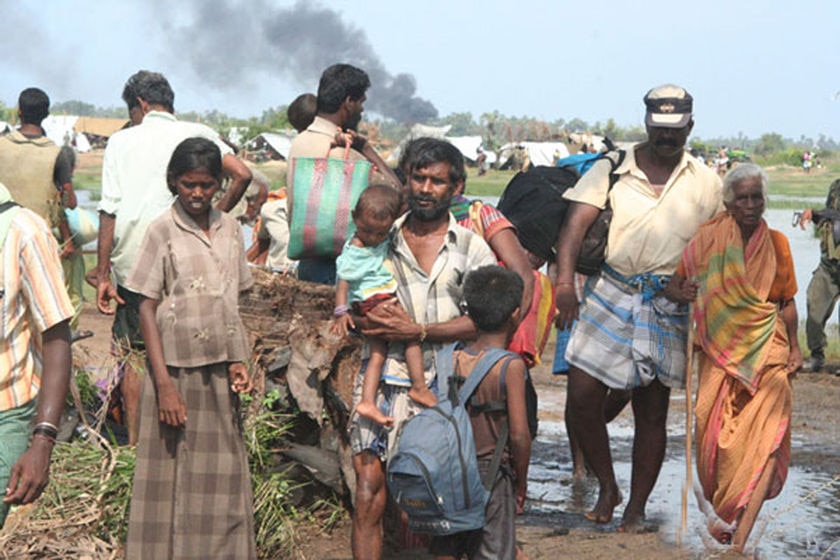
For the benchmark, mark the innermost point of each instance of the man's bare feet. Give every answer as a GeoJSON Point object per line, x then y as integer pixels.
{"type": "Point", "coordinates": [369, 411]}
{"type": "Point", "coordinates": [603, 510]}
{"type": "Point", "coordinates": [579, 473]}
{"type": "Point", "coordinates": [634, 524]}
{"type": "Point", "coordinates": [580, 468]}
{"type": "Point", "coordinates": [422, 395]}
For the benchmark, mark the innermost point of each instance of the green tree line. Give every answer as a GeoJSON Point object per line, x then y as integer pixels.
{"type": "Point", "coordinates": [495, 128]}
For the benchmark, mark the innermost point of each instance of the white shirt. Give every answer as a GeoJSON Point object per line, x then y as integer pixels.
{"type": "Point", "coordinates": [134, 185]}
{"type": "Point", "coordinates": [648, 232]}
{"type": "Point", "coordinates": [276, 226]}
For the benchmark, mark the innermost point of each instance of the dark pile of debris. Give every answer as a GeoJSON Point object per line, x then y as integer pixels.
{"type": "Point", "coordinates": [312, 370]}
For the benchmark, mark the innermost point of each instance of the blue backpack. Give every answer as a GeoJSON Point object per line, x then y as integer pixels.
{"type": "Point", "coordinates": [434, 475]}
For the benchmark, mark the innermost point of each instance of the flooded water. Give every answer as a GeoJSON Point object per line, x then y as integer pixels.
{"type": "Point", "coordinates": [802, 522]}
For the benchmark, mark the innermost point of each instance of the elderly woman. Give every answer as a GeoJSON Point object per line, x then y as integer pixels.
{"type": "Point", "coordinates": [741, 274]}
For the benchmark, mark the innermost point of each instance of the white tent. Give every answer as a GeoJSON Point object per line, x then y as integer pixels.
{"type": "Point", "coordinates": [279, 142]}
{"type": "Point", "coordinates": [468, 146]}
{"type": "Point", "coordinates": [540, 153]}
{"type": "Point", "coordinates": [417, 131]}
{"type": "Point", "coordinates": [59, 128]}
{"type": "Point", "coordinates": [236, 134]}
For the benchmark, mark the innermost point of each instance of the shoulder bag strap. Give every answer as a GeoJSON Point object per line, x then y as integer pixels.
{"type": "Point", "coordinates": [615, 164]}
{"type": "Point", "coordinates": [443, 369]}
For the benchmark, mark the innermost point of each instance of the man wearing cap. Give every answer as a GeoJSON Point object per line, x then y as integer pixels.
{"type": "Point", "coordinates": [629, 336]}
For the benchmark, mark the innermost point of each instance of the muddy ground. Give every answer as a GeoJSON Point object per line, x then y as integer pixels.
{"type": "Point", "coordinates": [803, 522]}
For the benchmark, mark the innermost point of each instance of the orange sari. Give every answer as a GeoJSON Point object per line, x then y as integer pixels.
{"type": "Point", "coordinates": [743, 405]}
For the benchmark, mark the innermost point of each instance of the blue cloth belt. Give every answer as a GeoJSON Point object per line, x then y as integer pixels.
{"type": "Point", "coordinates": [646, 283]}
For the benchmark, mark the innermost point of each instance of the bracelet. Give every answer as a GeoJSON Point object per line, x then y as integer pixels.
{"type": "Point", "coordinates": [423, 333]}
{"type": "Point", "coordinates": [47, 424]}
{"type": "Point", "coordinates": [565, 283]}
{"type": "Point", "coordinates": [45, 431]}
{"type": "Point", "coordinates": [44, 437]}
{"type": "Point", "coordinates": [341, 310]}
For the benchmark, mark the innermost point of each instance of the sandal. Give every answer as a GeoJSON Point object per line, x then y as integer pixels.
{"type": "Point", "coordinates": [80, 335]}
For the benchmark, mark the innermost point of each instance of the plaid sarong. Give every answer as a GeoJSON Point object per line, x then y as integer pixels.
{"type": "Point", "coordinates": [191, 497]}
{"type": "Point", "coordinates": [626, 341]}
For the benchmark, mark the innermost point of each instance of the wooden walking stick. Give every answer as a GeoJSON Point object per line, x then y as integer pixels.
{"type": "Point", "coordinates": [689, 417]}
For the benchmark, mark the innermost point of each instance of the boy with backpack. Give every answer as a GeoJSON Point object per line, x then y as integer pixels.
{"type": "Point", "coordinates": [497, 413]}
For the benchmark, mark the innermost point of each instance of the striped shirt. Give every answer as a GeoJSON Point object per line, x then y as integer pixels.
{"type": "Point", "coordinates": [491, 221]}
{"type": "Point", "coordinates": [34, 299]}
{"type": "Point", "coordinates": [197, 281]}
{"type": "Point", "coordinates": [434, 297]}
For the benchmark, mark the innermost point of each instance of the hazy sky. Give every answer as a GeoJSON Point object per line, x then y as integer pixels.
{"type": "Point", "coordinates": [753, 67]}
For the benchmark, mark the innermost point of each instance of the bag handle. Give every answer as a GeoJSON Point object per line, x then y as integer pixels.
{"type": "Point", "coordinates": [346, 151]}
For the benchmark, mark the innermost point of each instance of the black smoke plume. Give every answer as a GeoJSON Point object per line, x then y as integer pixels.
{"type": "Point", "coordinates": [227, 41]}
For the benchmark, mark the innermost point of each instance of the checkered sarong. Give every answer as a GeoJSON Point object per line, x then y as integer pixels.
{"type": "Point", "coordinates": [392, 400]}
{"type": "Point", "coordinates": [192, 489]}
{"type": "Point", "coordinates": [625, 341]}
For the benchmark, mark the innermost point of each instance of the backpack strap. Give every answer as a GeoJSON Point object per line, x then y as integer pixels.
{"type": "Point", "coordinates": [444, 366]}
{"type": "Point", "coordinates": [479, 372]}
{"type": "Point", "coordinates": [504, 433]}
{"type": "Point", "coordinates": [444, 372]}
{"type": "Point", "coordinates": [615, 164]}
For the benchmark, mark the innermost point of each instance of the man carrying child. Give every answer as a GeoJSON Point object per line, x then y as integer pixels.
{"type": "Point", "coordinates": [431, 256]}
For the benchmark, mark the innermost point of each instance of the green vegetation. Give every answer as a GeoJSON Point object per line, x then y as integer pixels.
{"type": "Point", "coordinates": [85, 508]}
{"type": "Point", "coordinates": [491, 183]}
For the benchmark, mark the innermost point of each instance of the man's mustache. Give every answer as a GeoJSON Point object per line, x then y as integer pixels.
{"type": "Point", "coordinates": [667, 142]}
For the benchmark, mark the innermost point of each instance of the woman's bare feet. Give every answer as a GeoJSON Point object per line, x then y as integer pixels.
{"type": "Point", "coordinates": [369, 411]}
{"type": "Point", "coordinates": [720, 530]}
{"type": "Point", "coordinates": [603, 510]}
{"type": "Point", "coordinates": [422, 395]}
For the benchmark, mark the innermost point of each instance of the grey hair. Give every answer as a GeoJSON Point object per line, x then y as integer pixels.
{"type": "Point", "coordinates": [741, 172]}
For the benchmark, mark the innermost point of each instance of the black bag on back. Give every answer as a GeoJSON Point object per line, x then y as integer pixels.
{"type": "Point", "coordinates": [533, 202]}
